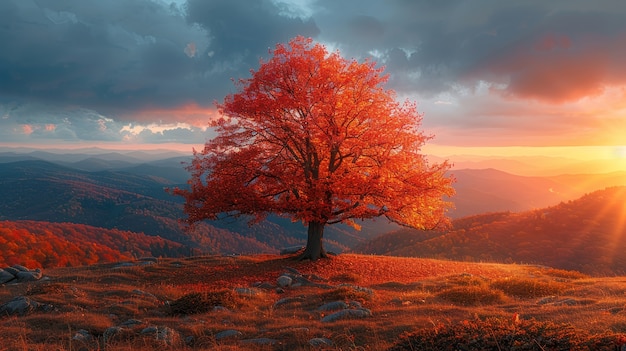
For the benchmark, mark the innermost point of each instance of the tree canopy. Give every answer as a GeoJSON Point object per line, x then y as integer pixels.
{"type": "Point", "coordinates": [318, 138]}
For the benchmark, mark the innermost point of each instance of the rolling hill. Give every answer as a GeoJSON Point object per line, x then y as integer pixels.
{"type": "Point", "coordinates": [43, 191]}
{"type": "Point", "coordinates": [587, 235]}
{"type": "Point", "coordinates": [128, 192]}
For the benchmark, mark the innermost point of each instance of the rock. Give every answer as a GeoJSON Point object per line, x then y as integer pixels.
{"type": "Point", "coordinates": [333, 306]}
{"type": "Point", "coordinates": [347, 314]}
{"type": "Point", "coordinates": [148, 259]}
{"type": "Point", "coordinates": [5, 276]}
{"type": "Point", "coordinates": [82, 335]}
{"type": "Point", "coordinates": [28, 276]}
{"type": "Point", "coordinates": [20, 268]}
{"type": "Point", "coordinates": [291, 250]}
{"type": "Point", "coordinates": [288, 300]}
{"type": "Point", "coordinates": [12, 270]}
{"type": "Point", "coordinates": [150, 330]}
{"type": "Point", "coordinates": [20, 305]}
{"type": "Point", "coordinates": [230, 333]}
{"type": "Point", "coordinates": [124, 265]}
{"type": "Point", "coordinates": [320, 342]}
{"type": "Point", "coordinates": [546, 300]}
{"type": "Point", "coordinates": [355, 304]}
{"type": "Point", "coordinates": [284, 281]}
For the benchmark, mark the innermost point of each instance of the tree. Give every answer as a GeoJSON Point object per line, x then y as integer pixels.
{"type": "Point", "coordinates": [316, 137]}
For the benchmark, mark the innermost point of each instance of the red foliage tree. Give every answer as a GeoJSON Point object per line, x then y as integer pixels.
{"type": "Point", "coordinates": [316, 137]}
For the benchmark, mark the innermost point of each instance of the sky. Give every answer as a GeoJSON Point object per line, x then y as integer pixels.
{"type": "Point", "coordinates": [535, 75]}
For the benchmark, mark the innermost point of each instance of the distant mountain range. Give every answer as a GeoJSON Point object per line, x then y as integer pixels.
{"type": "Point", "coordinates": [587, 235]}
{"type": "Point", "coordinates": [127, 191]}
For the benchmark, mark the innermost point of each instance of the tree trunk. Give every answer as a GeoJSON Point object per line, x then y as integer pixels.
{"type": "Point", "coordinates": [314, 248]}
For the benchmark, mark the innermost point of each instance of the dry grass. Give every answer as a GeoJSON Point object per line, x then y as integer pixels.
{"type": "Point", "coordinates": [410, 299]}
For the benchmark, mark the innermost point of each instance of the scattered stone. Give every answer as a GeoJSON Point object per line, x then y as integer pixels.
{"type": "Point", "coordinates": [333, 306]}
{"type": "Point", "coordinates": [12, 270]}
{"type": "Point", "coordinates": [546, 300]}
{"type": "Point", "coordinates": [82, 335]}
{"type": "Point", "coordinates": [347, 314]}
{"type": "Point", "coordinates": [230, 333]}
{"type": "Point", "coordinates": [321, 342]}
{"type": "Point", "coordinates": [150, 330]}
{"type": "Point", "coordinates": [567, 302]}
{"type": "Point", "coordinates": [284, 281]}
{"type": "Point", "coordinates": [19, 274]}
{"type": "Point", "coordinates": [355, 304]}
{"type": "Point", "coordinates": [6, 277]}
{"type": "Point", "coordinates": [123, 265]}
{"type": "Point", "coordinates": [19, 305]}
{"type": "Point", "coordinates": [288, 300]}
{"type": "Point", "coordinates": [28, 276]}
{"type": "Point", "coordinates": [20, 268]}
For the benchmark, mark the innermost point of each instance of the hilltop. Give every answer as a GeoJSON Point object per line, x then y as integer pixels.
{"type": "Point", "coordinates": [586, 234]}
{"type": "Point", "coordinates": [347, 302]}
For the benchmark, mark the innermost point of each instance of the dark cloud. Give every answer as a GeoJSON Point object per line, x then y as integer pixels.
{"type": "Point", "coordinates": [242, 31]}
{"type": "Point", "coordinates": [105, 55]}
{"type": "Point", "coordinates": [429, 47]}
{"type": "Point", "coordinates": [142, 62]}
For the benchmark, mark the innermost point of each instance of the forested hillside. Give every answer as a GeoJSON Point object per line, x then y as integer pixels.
{"type": "Point", "coordinates": [45, 244]}
{"type": "Point", "coordinates": [587, 234]}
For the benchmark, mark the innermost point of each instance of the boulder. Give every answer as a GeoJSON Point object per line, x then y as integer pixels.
{"type": "Point", "coordinates": [12, 270]}
{"type": "Point", "coordinates": [230, 333]}
{"type": "Point", "coordinates": [333, 306]}
{"type": "Point", "coordinates": [19, 274]}
{"type": "Point", "coordinates": [20, 305]}
{"type": "Point", "coordinates": [320, 342]}
{"type": "Point", "coordinates": [5, 276]}
{"type": "Point", "coordinates": [284, 281]}
{"type": "Point", "coordinates": [29, 276]}
{"type": "Point", "coordinates": [347, 314]}
{"type": "Point", "coordinates": [20, 268]}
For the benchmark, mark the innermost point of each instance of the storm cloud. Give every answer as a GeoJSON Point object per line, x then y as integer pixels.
{"type": "Point", "coordinates": [95, 70]}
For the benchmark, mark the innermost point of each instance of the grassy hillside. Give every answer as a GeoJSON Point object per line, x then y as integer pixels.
{"type": "Point", "coordinates": [348, 302]}
{"type": "Point", "coordinates": [586, 235]}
